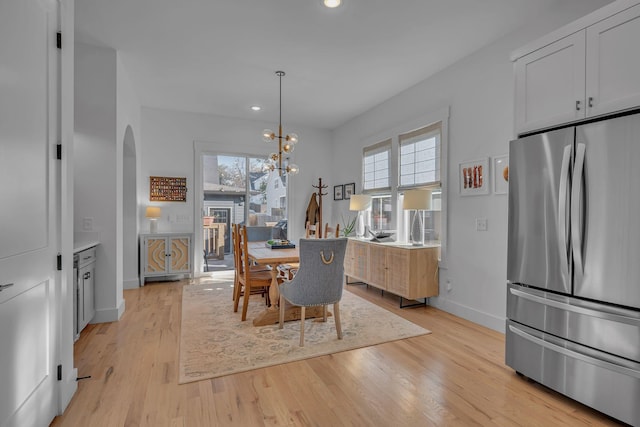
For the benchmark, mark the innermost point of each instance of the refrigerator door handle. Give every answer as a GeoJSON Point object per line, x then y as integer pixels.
{"type": "Point", "coordinates": [614, 315]}
{"type": "Point", "coordinates": [562, 212]}
{"type": "Point", "coordinates": [576, 204]}
{"type": "Point", "coordinates": [574, 354]}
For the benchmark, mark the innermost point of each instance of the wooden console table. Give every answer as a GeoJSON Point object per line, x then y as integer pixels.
{"type": "Point", "coordinates": [410, 272]}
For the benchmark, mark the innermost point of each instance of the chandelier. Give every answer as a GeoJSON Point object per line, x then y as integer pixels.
{"type": "Point", "coordinates": [286, 143]}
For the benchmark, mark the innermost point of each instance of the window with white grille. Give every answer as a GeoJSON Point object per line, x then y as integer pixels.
{"type": "Point", "coordinates": [376, 161]}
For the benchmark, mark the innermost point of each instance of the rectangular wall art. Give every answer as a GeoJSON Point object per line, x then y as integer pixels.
{"type": "Point", "coordinates": [474, 177]}
{"type": "Point", "coordinates": [501, 174]}
{"type": "Point", "coordinates": [349, 189]}
{"type": "Point", "coordinates": [167, 189]}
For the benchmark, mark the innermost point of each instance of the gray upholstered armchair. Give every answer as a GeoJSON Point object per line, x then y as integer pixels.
{"type": "Point", "coordinates": [319, 279]}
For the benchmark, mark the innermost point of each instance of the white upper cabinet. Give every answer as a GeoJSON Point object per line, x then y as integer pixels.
{"type": "Point", "coordinates": [613, 63]}
{"type": "Point", "coordinates": [592, 71]}
{"type": "Point", "coordinates": [550, 84]}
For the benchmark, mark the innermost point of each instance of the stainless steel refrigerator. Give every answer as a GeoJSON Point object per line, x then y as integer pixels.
{"type": "Point", "coordinates": [573, 271]}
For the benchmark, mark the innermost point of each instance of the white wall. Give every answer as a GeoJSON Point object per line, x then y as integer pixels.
{"type": "Point", "coordinates": [479, 92]}
{"type": "Point", "coordinates": [105, 106]}
{"type": "Point", "coordinates": [128, 142]}
{"type": "Point", "coordinates": [168, 150]}
{"type": "Point", "coordinates": [95, 175]}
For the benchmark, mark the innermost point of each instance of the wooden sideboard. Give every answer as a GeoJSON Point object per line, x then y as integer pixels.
{"type": "Point", "coordinates": [402, 269]}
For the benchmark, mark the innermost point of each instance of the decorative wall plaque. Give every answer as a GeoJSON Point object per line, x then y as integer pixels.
{"type": "Point", "coordinates": [167, 189]}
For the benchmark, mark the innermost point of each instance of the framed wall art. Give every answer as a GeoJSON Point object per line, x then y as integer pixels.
{"type": "Point", "coordinates": [167, 189]}
{"type": "Point", "coordinates": [349, 189]}
{"type": "Point", "coordinates": [474, 177]}
{"type": "Point", "coordinates": [337, 192]}
{"type": "Point", "coordinates": [501, 174]}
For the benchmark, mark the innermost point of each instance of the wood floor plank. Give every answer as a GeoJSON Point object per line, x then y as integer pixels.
{"type": "Point", "coordinates": [454, 376]}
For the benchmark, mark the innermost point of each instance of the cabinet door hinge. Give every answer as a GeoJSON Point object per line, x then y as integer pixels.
{"type": "Point", "coordinates": [59, 151]}
{"type": "Point", "coordinates": [59, 40]}
{"type": "Point", "coordinates": [59, 372]}
{"type": "Point", "coordinates": [59, 262]}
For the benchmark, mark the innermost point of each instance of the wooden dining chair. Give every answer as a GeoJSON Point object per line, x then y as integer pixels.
{"type": "Point", "coordinates": [250, 280]}
{"type": "Point", "coordinates": [318, 282]}
{"type": "Point", "coordinates": [331, 231]}
{"type": "Point", "coordinates": [312, 230]}
{"type": "Point", "coordinates": [237, 260]}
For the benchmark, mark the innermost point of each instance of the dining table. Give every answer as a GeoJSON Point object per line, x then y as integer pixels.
{"type": "Point", "coordinates": [260, 253]}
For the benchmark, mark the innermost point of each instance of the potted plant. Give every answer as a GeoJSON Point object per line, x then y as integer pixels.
{"type": "Point", "coordinates": [348, 225]}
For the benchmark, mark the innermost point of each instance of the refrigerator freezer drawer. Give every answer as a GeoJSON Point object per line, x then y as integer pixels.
{"type": "Point", "coordinates": [607, 328]}
{"type": "Point", "coordinates": [606, 383]}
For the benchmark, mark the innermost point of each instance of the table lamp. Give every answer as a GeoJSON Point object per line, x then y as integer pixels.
{"type": "Point", "coordinates": [360, 203]}
{"type": "Point", "coordinates": [153, 213]}
{"type": "Point", "coordinates": [417, 200]}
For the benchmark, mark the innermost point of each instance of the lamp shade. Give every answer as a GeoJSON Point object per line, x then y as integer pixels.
{"type": "Point", "coordinates": [359, 202]}
{"type": "Point", "coordinates": [417, 199]}
{"type": "Point", "coordinates": [153, 212]}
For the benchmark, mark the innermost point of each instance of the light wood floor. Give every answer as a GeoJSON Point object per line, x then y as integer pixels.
{"type": "Point", "coordinates": [454, 376]}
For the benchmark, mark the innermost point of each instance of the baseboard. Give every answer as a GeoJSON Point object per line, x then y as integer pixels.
{"type": "Point", "coordinates": [109, 314]}
{"type": "Point", "coordinates": [485, 319]}
{"type": "Point", "coordinates": [131, 283]}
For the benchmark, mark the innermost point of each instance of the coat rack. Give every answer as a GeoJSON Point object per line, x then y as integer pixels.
{"type": "Point", "coordinates": [320, 187]}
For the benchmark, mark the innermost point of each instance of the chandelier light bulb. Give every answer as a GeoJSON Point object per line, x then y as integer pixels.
{"type": "Point", "coordinates": [292, 138]}
{"type": "Point", "coordinates": [287, 147]}
{"type": "Point", "coordinates": [268, 135]}
{"type": "Point", "coordinates": [274, 156]}
{"type": "Point", "coordinates": [293, 169]}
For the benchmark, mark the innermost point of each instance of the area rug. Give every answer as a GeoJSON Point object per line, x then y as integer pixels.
{"type": "Point", "coordinates": [214, 341]}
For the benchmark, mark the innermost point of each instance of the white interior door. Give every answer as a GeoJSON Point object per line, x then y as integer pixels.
{"type": "Point", "coordinates": [28, 245]}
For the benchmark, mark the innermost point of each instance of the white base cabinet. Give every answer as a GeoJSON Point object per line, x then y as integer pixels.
{"type": "Point", "coordinates": [165, 254]}
{"type": "Point", "coordinates": [84, 289]}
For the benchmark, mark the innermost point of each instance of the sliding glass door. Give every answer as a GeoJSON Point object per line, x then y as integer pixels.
{"type": "Point", "coordinates": [237, 189]}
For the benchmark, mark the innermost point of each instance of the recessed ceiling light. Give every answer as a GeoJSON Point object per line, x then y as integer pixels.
{"type": "Point", "coordinates": [256, 108]}
{"type": "Point", "coordinates": [332, 3]}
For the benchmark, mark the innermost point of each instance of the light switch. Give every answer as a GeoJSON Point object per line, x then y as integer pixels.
{"type": "Point", "coordinates": [481, 224]}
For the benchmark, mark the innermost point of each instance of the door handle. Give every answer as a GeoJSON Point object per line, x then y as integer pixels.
{"type": "Point", "coordinates": [3, 287]}
{"type": "Point", "coordinates": [562, 212]}
{"type": "Point", "coordinates": [575, 354]}
{"type": "Point", "coordinates": [576, 204]}
{"type": "Point", "coordinates": [574, 307]}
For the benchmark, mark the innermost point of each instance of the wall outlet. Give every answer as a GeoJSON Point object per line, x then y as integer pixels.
{"type": "Point", "coordinates": [87, 224]}
{"type": "Point", "coordinates": [481, 224]}
{"type": "Point", "coordinates": [449, 286]}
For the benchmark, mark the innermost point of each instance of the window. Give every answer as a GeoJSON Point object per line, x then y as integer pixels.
{"type": "Point", "coordinates": [375, 166]}
{"type": "Point", "coordinates": [381, 213]}
{"type": "Point", "coordinates": [239, 183]}
{"type": "Point", "coordinates": [413, 155]}
{"type": "Point", "coordinates": [420, 157]}
{"type": "Point", "coordinates": [419, 167]}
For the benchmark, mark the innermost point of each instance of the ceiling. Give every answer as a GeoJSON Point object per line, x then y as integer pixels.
{"type": "Point", "coordinates": [220, 57]}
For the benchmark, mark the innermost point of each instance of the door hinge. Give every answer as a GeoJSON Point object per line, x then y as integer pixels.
{"type": "Point", "coordinates": [59, 262]}
{"type": "Point", "coordinates": [59, 372]}
{"type": "Point", "coordinates": [59, 40]}
{"type": "Point", "coordinates": [59, 151]}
